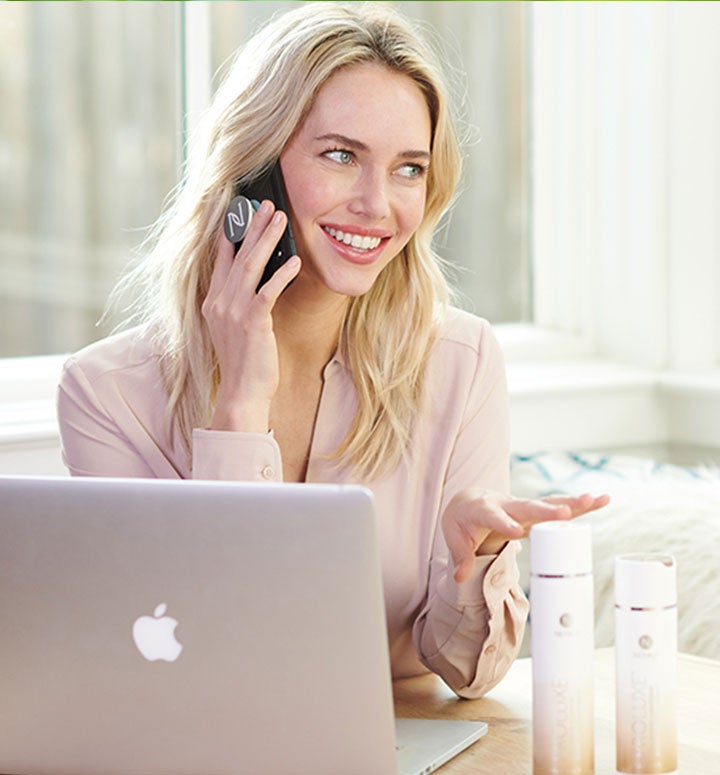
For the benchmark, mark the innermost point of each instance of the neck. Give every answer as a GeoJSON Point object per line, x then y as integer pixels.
{"type": "Point", "coordinates": [307, 329]}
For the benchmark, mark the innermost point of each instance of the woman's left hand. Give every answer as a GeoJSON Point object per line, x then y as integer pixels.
{"type": "Point", "coordinates": [478, 521]}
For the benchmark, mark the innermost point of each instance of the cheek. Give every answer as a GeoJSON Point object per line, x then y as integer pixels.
{"type": "Point", "coordinates": [299, 192]}
{"type": "Point", "coordinates": [412, 212]}
{"type": "Point", "coordinates": [311, 198]}
{"type": "Point", "coordinates": [308, 192]}
{"type": "Point", "coordinates": [316, 198]}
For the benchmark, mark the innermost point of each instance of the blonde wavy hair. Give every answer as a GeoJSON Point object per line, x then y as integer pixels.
{"type": "Point", "coordinates": [388, 332]}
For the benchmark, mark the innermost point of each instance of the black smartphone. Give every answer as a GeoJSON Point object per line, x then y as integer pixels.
{"type": "Point", "coordinates": [245, 202]}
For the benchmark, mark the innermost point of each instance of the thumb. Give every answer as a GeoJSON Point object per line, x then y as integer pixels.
{"type": "Point", "coordinates": [464, 568]}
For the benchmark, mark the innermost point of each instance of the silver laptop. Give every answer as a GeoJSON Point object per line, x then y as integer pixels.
{"type": "Point", "coordinates": [198, 628]}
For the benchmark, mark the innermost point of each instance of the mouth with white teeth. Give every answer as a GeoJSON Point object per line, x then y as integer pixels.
{"type": "Point", "coordinates": [360, 243]}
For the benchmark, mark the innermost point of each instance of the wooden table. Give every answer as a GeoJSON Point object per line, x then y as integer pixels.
{"type": "Point", "coordinates": [507, 747]}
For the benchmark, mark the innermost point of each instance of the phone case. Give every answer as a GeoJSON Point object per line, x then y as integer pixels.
{"type": "Point", "coordinates": [242, 207]}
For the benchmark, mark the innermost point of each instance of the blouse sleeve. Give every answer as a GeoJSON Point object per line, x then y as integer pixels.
{"type": "Point", "coordinates": [112, 424]}
{"type": "Point", "coordinates": [95, 440]}
{"type": "Point", "coordinates": [470, 633]}
{"type": "Point", "coordinates": [237, 456]}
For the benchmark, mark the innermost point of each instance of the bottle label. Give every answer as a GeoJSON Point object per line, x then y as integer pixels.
{"type": "Point", "coordinates": [646, 666]}
{"type": "Point", "coordinates": [561, 626]}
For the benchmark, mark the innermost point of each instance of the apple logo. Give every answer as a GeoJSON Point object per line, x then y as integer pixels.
{"type": "Point", "coordinates": [155, 636]}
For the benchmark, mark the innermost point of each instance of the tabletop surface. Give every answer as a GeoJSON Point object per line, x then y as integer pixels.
{"type": "Point", "coordinates": [507, 747]}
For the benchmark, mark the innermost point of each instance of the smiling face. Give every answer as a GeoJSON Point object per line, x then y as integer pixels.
{"type": "Point", "coordinates": [356, 176]}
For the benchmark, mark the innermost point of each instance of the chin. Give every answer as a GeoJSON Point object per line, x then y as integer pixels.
{"type": "Point", "coordinates": [352, 287]}
{"type": "Point", "coordinates": [343, 281]}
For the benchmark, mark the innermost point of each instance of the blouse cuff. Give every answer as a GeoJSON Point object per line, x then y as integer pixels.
{"type": "Point", "coordinates": [492, 577]}
{"type": "Point", "coordinates": [236, 456]}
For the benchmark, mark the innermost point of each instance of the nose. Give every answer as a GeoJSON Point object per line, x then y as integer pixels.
{"type": "Point", "coordinates": [371, 197]}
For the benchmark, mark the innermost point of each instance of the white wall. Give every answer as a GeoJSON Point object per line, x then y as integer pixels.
{"type": "Point", "coordinates": [626, 218]}
{"type": "Point", "coordinates": [626, 198]}
{"type": "Point", "coordinates": [29, 441]}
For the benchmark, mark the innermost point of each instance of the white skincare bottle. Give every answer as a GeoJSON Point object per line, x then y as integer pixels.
{"type": "Point", "coordinates": [562, 644]}
{"type": "Point", "coordinates": [645, 663]}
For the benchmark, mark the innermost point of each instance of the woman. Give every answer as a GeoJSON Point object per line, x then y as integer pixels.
{"type": "Point", "coordinates": [348, 365]}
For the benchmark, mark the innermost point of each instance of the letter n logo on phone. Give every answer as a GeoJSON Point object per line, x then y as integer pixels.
{"type": "Point", "coordinates": [237, 218]}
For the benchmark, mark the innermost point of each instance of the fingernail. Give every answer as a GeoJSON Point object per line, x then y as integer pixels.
{"type": "Point", "coordinates": [265, 207]}
{"type": "Point", "coordinates": [277, 217]}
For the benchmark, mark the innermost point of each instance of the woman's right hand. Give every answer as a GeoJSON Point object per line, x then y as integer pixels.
{"type": "Point", "coordinates": [477, 521]}
{"type": "Point", "coordinates": [241, 325]}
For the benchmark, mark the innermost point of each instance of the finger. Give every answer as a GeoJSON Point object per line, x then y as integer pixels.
{"type": "Point", "coordinates": [465, 564]}
{"type": "Point", "coordinates": [466, 533]}
{"type": "Point", "coordinates": [464, 570]}
{"type": "Point", "coordinates": [255, 260]}
{"type": "Point", "coordinates": [579, 504]}
{"type": "Point", "coordinates": [256, 229]}
{"type": "Point", "coordinates": [463, 558]}
{"type": "Point", "coordinates": [247, 264]}
{"type": "Point", "coordinates": [257, 224]}
{"type": "Point", "coordinates": [461, 544]}
{"type": "Point", "coordinates": [543, 510]}
{"type": "Point", "coordinates": [223, 264]}
{"type": "Point", "coordinates": [270, 292]}
{"type": "Point", "coordinates": [593, 503]}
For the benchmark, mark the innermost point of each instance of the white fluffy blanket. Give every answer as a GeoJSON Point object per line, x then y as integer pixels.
{"type": "Point", "coordinates": [655, 507]}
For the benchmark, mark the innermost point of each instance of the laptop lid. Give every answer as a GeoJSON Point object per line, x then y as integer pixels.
{"type": "Point", "coordinates": [191, 627]}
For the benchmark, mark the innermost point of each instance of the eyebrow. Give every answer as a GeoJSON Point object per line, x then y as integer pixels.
{"type": "Point", "coordinates": [358, 145]}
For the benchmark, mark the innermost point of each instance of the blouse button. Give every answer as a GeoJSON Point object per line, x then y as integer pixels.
{"type": "Point", "coordinates": [490, 649]}
{"type": "Point", "coordinates": [268, 473]}
{"type": "Point", "coordinates": [497, 578]}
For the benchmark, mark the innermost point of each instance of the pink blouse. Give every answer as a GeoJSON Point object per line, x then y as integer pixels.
{"type": "Point", "coordinates": [111, 406]}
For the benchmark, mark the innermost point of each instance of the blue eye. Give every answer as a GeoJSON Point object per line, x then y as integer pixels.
{"type": "Point", "coordinates": [340, 156]}
{"type": "Point", "coordinates": [412, 171]}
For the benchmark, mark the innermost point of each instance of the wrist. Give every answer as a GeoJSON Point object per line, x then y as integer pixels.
{"type": "Point", "coordinates": [239, 417]}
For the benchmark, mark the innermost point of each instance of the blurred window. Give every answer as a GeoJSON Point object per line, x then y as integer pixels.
{"type": "Point", "coordinates": [91, 139]}
{"type": "Point", "coordinates": [89, 149]}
